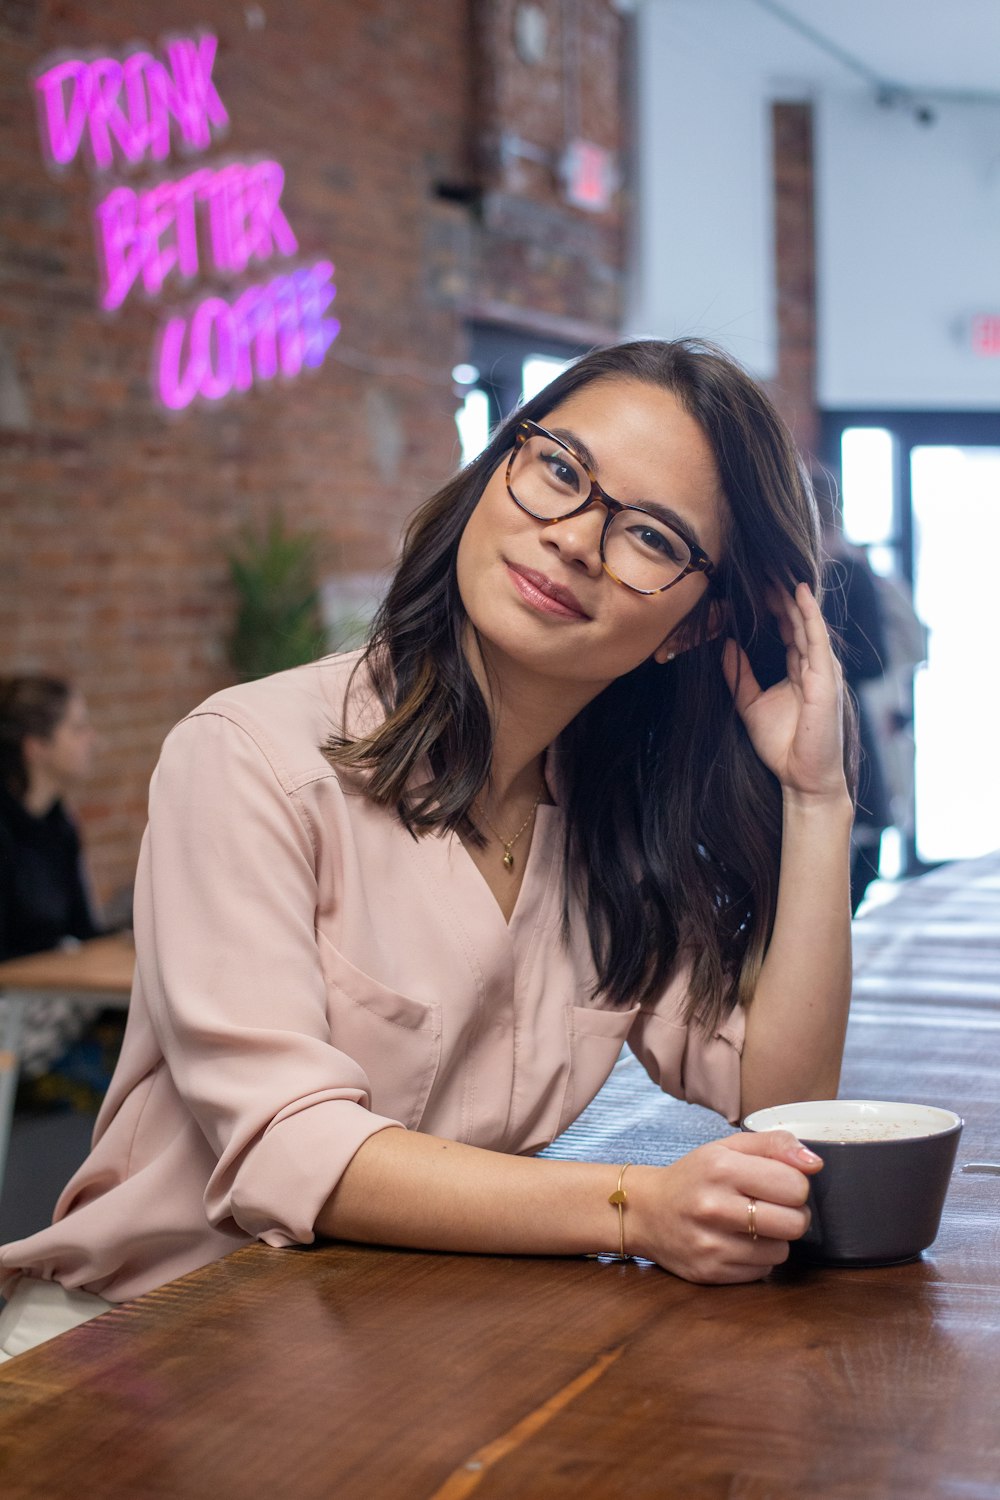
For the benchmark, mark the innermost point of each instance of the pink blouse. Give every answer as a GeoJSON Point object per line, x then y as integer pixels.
{"type": "Point", "coordinates": [307, 974]}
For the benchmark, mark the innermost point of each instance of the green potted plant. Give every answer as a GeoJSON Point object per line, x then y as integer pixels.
{"type": "Point", "coordinates": [278, 623]}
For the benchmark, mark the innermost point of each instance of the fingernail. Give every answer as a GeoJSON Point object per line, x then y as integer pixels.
{"type": "Point", "coordinates": [805, 1155]}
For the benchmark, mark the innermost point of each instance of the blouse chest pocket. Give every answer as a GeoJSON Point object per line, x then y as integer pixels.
{"type": "Point", "coordinates": [394, 1038]}
{"type": "Point", "coordinates": [596, 1040]}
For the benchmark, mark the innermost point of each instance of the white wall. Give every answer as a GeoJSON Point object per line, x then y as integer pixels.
{"type": "Point", "coordinates": [703, 234]}
{"type": "Point", "coordinates": [908, 251]}
{"type": "Point", "coordinates": [908, 216]}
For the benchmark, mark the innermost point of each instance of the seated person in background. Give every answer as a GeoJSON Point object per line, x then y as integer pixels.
{"type": "Point", "coordinates": [46, 747]}
{"type": "Point", "coordinates": [888, 699]}
{"type": "Point", "coordinates": [853, 612]}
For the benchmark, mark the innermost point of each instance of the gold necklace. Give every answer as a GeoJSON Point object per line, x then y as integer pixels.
{"type": "Point", "coordinates": [508, 844]}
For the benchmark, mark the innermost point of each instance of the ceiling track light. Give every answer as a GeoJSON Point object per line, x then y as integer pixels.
{"type": "Point", "coordinates": [922, 103]}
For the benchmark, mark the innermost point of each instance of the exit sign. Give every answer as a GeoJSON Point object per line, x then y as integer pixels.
{"type": "Point", "coordinates": [590, 176]}
{"type": "Point", "coordinates": [986, 334]}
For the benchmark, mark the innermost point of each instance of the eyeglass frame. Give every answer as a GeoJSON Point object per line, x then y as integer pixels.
{"type": "Point", "coordinates": [700, 561]}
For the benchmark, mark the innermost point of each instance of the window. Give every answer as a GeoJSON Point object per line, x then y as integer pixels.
{"type": "Point", "coordinates": [505, 368]}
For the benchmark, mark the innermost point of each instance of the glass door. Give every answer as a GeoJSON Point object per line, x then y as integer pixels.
{"type": "Point", "coordinates": [956, 543]}
{"type": "Point", "coordinates": [505, 367]}
{"type": "Point", "coordinates": [922, 497]}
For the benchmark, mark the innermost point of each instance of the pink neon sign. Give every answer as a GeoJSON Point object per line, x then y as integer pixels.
{"type": "Point", "coordinates": [216, 219]}
{"type": "Point", "coordinates": [130, 107]}
{"type": "Point", "coordinates": [223, 347]}
{"type": "Point", "coordinates": [152, 233]}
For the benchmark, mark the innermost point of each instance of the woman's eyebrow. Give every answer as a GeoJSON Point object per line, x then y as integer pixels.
{"type": "Point", "coordinates": [664, 513]}
{"type": "Point", "coordinates": [579, 447]}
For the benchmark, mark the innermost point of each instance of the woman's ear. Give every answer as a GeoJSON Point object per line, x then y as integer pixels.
{"type": "Point", "coordinates": [33, 749]}
{"type": "Point", "coordinates": [686, 635]}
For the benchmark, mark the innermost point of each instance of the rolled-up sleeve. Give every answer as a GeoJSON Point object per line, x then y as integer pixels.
{"type": "Point", "coordinates": [226, 898]}
{"type": "Point", "coordinates": [698, 1066]}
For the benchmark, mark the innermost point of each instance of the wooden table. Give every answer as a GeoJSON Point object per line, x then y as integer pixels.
{"type": "Point", "coordinates": [368, 1374]}
{"type": "Point", "coordinates": [99, 971]}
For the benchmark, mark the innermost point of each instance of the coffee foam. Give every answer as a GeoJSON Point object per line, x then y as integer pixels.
{"type": "Point", "coordinates": [855, 1130]}
{"type": "Point", "coordinates": [854, 1120]}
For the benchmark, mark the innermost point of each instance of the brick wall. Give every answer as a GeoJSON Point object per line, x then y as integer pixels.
{"type": "Point", "coordinates": [538, 261]}
{"type": "Point", "coordinates": [116, 518]}
{"type": "Point", "coordinates": [794, 387]}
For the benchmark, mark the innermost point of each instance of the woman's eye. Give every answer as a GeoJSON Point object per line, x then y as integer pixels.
{"type": "Point", "coordinates": [561, 470]}
{"type": "Point", "coordinates": [658, 541]}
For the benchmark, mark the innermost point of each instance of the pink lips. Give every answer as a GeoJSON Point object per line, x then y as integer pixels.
{"type": "Point", "coordinates": [545, 595]}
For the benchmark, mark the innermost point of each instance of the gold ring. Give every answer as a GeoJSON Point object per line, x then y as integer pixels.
{"type": "Point", "coordinates": [752, 1218]}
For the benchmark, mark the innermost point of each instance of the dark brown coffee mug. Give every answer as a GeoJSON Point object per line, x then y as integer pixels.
{"type": "Point", "coordinates": [886, 1169]}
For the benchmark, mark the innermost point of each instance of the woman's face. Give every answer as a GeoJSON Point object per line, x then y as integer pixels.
{"type": "Point", "coordinates": [537, 592]}
{"type": "Point", "coordinates": [64, 757]}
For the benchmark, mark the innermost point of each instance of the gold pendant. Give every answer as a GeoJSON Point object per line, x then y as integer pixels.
{"type": "Point", "coordinates": [508, 860]}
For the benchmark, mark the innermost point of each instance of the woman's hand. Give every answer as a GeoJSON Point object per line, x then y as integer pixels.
{"type": "Point", "coordinates": [796, 726]}
{"type": "Point", "coordinates": [694, 1217]}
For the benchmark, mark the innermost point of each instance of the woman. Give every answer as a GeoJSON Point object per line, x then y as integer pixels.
{"type": "Point", "coordinates": [553, 810]}
{"type": "Point", "coordinates": [46, 747]}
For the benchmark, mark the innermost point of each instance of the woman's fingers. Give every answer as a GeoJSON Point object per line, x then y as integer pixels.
{"type": "Point", "coordinates": [796, 726]}
{"type": "Point", "coordinates": [771, 1221]}
{"type": "Point", "coordinates": [770, 1181]}
{"type": "Point", "coordinates": [776, 1145]}
{"type": "Point", "coordinates": [727, 1211]}
{"type": "Point", "coordinates": [816, 635]}
{"type": "Point", "coordinates": [802, 619]}
{"type": "Point", "coordinates": [802, 630]}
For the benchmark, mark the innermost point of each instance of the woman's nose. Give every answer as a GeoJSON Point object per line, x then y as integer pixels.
{"type": "Point", "coordinates": [577, 539]}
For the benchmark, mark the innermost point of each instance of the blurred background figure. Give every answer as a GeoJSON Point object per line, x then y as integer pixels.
{"type": "Point", "coordinates": [46, 748]}
{"type": "Point", "coordinates": [852, 609]}
{"type": "Point", "coordinates": [888, 699]}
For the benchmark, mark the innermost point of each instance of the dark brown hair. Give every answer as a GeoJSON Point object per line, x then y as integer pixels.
{"type": "Point", "coordinates": [673, 824]}
{"type": "Point", "coordinates": [28, 705]}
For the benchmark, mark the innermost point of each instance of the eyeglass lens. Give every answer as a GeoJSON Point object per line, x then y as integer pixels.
{"type": "Point", "coordinates": [550, 482]}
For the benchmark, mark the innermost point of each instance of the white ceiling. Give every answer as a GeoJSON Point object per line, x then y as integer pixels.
{"type": "Point", "coordinates": [918, 44]}
{"type": "Point", "coordinates": [921, 45]}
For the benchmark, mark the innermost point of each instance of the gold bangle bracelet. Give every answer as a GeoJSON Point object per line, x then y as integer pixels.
{"type": "Point", "coordinates": [618, 1199]}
